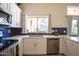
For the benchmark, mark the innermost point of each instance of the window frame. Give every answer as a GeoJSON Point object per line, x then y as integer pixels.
{"type": "Point", "coordinates": [37, 24]}
{"type": "Point", "coordinates": [70, 18]}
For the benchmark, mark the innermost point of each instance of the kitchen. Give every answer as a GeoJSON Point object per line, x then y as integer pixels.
{"type": "Point", "coordinates": [28, 29]}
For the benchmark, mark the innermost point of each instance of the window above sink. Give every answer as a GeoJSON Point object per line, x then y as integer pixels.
{"type": "Point", "coordinates": [36, 24]}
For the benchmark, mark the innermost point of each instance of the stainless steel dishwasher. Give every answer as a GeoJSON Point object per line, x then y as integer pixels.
{"type": "Point", "coordinates": [52, 46]}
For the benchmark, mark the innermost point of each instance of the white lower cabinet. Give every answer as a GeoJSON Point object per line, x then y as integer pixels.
{"type": "Point", "coordinates": [76, 48]}
{"type": "Point", "coordinates": [34, 46]}
{"type": "Point", "coordinates": [29, 46]}
{"type": "Point", "coordinates": [72, 48]}
{"type": "Point", "coordinates": [69, 47]}
{"type": "Point", "coordinates": [62, 46]}
{"type": "Point", "coordinates": [41, 46]}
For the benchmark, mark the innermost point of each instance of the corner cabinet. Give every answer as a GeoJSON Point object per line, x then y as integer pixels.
{"type": "Point", "coordinates": [72, 48]}
{"type": "Point", "coordinates": [69, 47]}
{"type": "Point", "coordinates": [35, 46]}
{"type": "Point", "coordinates": [15, 11]}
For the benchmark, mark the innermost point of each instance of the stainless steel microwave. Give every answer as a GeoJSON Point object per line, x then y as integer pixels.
{"type": "Point", "coordinates": [4, 18]}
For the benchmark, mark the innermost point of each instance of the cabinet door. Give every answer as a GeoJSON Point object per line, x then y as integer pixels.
{"type": "Point", "coordinates": [18, 17]}
{"type": "Point", "coordinates": [41, 47]}
{"type": "Point", "coordinates": [5, 7]}
{"type": "Point", "coordinates": [71, 49]}
{"type": "Point", "coordinates": [74, 49]}
{"type": "Point", "coordinates": [62, 46]}
{"type": "Point", "coordinates": [65, 46]}
{"type": "Point", "coordinates": [29, 46]}
{"type": "Point", "coordinates": [68, 46]}
{"type": "Point", "coordinates": [13, 13]}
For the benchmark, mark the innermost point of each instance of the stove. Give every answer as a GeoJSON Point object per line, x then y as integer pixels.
{"type": "Point", "coordinates": [6, 43]}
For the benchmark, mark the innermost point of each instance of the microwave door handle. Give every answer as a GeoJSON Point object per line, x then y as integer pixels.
{"type": "Point", "coordinates": [10, 19]}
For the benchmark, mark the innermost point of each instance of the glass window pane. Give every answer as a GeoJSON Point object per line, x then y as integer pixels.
{"type": "Point", "coordinates": [31, 24]}
{"type": "Point", "coordinates": [74, 28]}
{"type": "Point", "coordinates": [36, 24]}
{"type": "Point", "coordinates": [43, 24]}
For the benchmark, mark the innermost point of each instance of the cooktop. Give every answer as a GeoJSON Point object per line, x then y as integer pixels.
{"type": "Point", "coordinates": [6, 43]}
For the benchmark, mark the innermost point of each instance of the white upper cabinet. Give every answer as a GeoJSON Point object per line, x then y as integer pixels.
{"type": "Point", "coordinates": [15, 11]}
{"type": "Point", "coordinates": [72, 10]}
{"type": "Point", "coordinates": [18, 16]}
{"type": "Point", "coordinates": [5, 7]}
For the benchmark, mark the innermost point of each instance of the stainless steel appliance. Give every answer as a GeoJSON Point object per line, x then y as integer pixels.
{"type": "Point", "coordinates": [52, 46]}
{"type": "Point", "coordinates": [5, 18]}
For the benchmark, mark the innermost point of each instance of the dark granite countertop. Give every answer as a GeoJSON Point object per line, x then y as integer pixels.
{"type": "Point", "coordinates": [38, 34]}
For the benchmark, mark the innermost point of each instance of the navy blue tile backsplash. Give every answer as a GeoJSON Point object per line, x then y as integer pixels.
{"type": "Point", "coordinates": [9, 31]}
{"type": "Point", "coordinates": [15, 31]}
{"type": "Point", "coordinates": [59, 31]}
{"type": "Point", "coordinates": [4, 32]}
